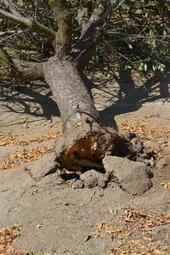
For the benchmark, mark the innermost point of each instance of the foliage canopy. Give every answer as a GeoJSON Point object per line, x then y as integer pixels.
{"type": "Point", "coordinates": [137, 35]}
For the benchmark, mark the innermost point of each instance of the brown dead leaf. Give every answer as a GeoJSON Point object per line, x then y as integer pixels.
{"type": "Point", "coordinates": [21, 157]}
{"type": "Point", "coordinates": [132, 233]}
{"type": "Point", "coordinates": [12, 139]}
{"type": "Point", "coordinates": [7, 236]}
{"type": "Point", "coordinates": [145, 129]}
{"type": "Point", "coordinates": [143, 219]}
{"type": "Point", "coordinates": [167, 186]}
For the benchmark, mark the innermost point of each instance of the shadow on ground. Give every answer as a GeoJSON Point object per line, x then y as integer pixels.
{"type": "Point", "coordinates": [36, 99]}
{"type": "Point", "coordinates": [33, 100]}
{"type": "Point", "coordinates": [131, 96]}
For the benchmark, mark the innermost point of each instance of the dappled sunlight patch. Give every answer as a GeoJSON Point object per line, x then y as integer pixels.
{"type": "Point", "coordinates": [20, 158]}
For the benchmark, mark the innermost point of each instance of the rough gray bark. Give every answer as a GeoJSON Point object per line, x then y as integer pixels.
{"type": "Point", "coordinates": [69, 91]}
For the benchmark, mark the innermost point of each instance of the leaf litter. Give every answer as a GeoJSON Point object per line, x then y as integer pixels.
{"type": "Point", "coordinates": [133, 233]}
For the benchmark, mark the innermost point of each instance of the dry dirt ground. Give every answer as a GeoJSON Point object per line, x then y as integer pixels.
{"type": "Point", "coordinates": [54, 218]}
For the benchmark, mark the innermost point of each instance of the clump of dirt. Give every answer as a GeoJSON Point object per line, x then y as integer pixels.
{"type": "Point", "coordinates": [134, 149]}
{"type": "Point", "coordinates": [131, 147]}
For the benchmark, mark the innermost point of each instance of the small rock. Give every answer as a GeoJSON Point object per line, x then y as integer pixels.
{"type": "Point", "coordinates": [89, 179]}
{"type": "Point", "coordinates": [165, 161]}
{"type": "Point", "coordinates": [42, 167]}
{"type": "Point", "coordinates": [131, 176]}
{"type": "Point", "coordinates": [151, 162]}
{"type": "Point", "coordinates": [78, 184]}
{"type": "Point", "coordinates": [93, 178]}
{"type": "Point", "coordinates": [145, 156]}
{"type": "Point", "coordinates": [137, 144]}
{"type": "Point", "coordinates": [102, 183]}
{"type": "Point", "coordinates": [129, 136]}
{"type": "Point", "coordinates": [149, 151]}
{"type": "Point", "coordinates": [140, 159]}
{"type": "Point", "coordinates": [87, 238]}
{"type": "Point", "coordinates": [39, 226]}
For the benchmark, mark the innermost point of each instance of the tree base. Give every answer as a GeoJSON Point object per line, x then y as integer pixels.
{"type": "Point", "coordinates": [99, 157]}
{"type": "Point", "coordinates": [85, 146]}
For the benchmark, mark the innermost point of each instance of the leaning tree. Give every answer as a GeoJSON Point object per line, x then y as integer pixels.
{"type": "Point", "coordinates": [84, 141]}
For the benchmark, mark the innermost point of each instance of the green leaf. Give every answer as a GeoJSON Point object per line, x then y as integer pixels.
{"type": "Point", "coordinates": [141, 67]}
{"type": "Point", "coordinates": [127, 67]}
{"type": "Point", "coordinates": [145, 66]}
{"type": "Point", "coordinates": [161, 67]}
{"type": "Point", "coordinates": [154, 67]}
{"type": "Point", "coordinates": [130, 46]}
{"type": "Point", "coordinates": [164, 32]}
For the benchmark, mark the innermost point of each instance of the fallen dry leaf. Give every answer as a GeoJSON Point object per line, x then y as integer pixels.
{"type": "Point", "coordinates": [21, 157]}
{"type": "Point", "coordinates": [145, 129]}
{"type": "Point", "coordinates": [167, 186]}
{"type": "Point", "coordinates": [12, 139]}
{"type": "Point", "coordinates": [7, 236]}
{"type": "Point", "coordinates": [143, 219]}
{"type": "Point", "coordinates": [133, 233]}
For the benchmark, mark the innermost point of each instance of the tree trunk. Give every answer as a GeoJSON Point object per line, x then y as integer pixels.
{"type": "Point", "coordinates": [85, 141]}
{"type": "Point", "coordinates": [69, 91]}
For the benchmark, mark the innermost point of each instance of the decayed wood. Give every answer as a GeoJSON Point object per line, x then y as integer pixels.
{"type": "Point", "coordinates": [85, 146]}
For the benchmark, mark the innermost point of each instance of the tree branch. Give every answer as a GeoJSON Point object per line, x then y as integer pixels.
{"type": "Point", "coordinates": [10, 70]}
{"type": "Point", "coordinates": [7, 64]}
{"type": "Point", "coordinates": [82, 18]}
{"type": "Point", "coordinates": [29, 23]}
{"type": "Point", "coordinates": [12, 8]}
{"type": "Point", "coordinates": [83, 49]}
{"type": "Point", "coordinates": [64, 32]}
{"type": "Point", "coordinates": [97, 13]}
{"type": "Point", "coordinates": [33, 73]}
